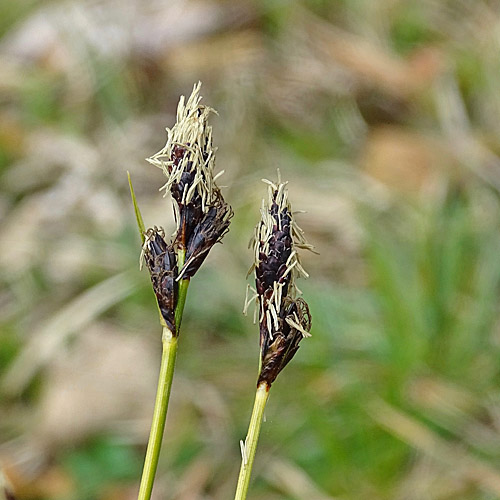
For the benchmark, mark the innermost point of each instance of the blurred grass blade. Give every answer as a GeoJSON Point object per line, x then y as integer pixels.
{"type": "Point", "coordinates": [77, 314]}
{"type": "Point", "coordinates": [421, 437]}
{"type": "Point", "coordinates": [138, 216]}
{"type": "Point", "coordinates": [293, 481]}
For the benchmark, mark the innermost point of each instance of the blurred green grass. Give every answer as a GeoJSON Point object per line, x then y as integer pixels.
{"type": "Point", "coordinates": [384, 115]}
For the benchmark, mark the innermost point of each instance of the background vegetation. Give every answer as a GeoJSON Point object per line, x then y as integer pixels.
{"type": "Point", "coordinates": [384, 116]}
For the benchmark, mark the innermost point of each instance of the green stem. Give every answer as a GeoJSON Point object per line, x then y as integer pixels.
{"type": "Point", "coordinates": [251, 441]}
{"type": "Point", "coordinates": [181, 300]}
{"type": "Point", "coordinates": [159, 415]}
{"type": "Point", "coordinates": [169, 353]}
{"type": "Point", "coordinates": [183, 287]}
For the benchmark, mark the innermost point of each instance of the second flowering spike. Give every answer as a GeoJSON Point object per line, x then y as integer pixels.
{"type": "Point", "coordinates": [284, 319]}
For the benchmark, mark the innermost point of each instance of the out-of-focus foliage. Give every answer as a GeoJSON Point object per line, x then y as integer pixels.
{"type": "Point", "coordinates": [384, 116]}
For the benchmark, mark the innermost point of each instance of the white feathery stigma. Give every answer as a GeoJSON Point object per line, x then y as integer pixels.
{"type": "Point", "coordinates": [191, 133]}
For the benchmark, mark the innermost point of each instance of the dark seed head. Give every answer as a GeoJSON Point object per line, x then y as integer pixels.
{"type": "Point", "coordinates": [161, 262]}
{"type": "Point", "coordinates": [283, 319]}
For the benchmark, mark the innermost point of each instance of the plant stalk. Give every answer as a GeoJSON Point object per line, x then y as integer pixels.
{"type": "Point", "coordinates": [183, 287]}
{"type": "Point", "coordinates": [250, 445]}
{"type": "Point", "coordinates": [169, 353]}
{"type": "Point", "coordinates": [159, 415]}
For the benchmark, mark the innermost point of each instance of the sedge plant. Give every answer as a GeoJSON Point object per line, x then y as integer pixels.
{"type": "Point", "coordinates": [202, 219]}
{"type": "Point", "coordinates": [284, 318]}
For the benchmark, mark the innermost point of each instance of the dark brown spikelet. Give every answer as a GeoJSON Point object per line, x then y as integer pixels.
{"type": "Point", "coordinates": [188, 161]}
{"type": "Point", "coordinates": [283, 319]}
{"type": "Point", "coordinates": [188, 214]}
{"type": "Point", "coordinates": [209, 231]}
{"type": "Point", "coordinates": [281, 348]}
{"type": "Point", "coordinates": [161, 262]}
{"type": "Point", "coordinates": [274, 253]}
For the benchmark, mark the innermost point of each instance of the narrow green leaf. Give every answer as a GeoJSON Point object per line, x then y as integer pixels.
{"type": "Point", "coordinates": [138, 216]}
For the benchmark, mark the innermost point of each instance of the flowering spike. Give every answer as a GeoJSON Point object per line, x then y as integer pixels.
{"type": "Point", "coordinates": [202, 215]}
{"type": "Point", "coordinates": [188, 161]}
{"type": "Point", "coordinates": [284, 319]}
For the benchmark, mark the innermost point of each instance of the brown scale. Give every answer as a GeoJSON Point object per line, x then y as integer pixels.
{"type": "Point", "coordinates": [208, 232]}
{"type": "Point", "coordinates": [272, 266]}
{"type": "Point", "coordinates": [191, 213]}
